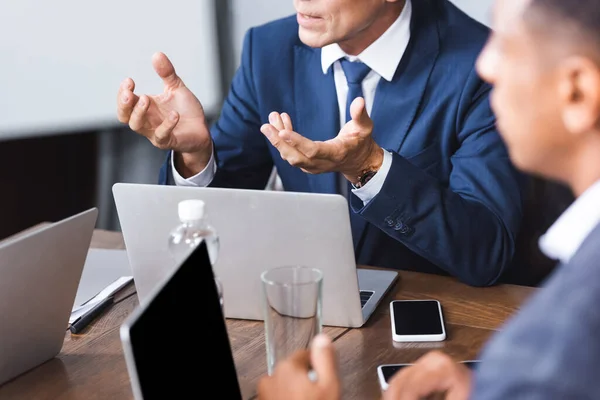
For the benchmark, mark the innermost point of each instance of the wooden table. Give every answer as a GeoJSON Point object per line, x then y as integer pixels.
{"type": "Point", "coordinates": [91, 365]}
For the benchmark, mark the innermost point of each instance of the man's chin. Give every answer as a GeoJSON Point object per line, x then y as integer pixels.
{"type": "Point", "coordinates": [312, 38]}
{"type": "Point", "coordinates": [524, 162]}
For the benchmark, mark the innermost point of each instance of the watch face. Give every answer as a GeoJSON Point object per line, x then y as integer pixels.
{"type": "Point", "coordinates": [366, 177]}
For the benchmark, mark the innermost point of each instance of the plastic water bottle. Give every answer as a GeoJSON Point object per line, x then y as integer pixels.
{"type": "Point", "coordinates": [192, 230]}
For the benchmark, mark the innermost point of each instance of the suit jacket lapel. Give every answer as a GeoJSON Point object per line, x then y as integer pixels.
{"type": "Point", "coordinates": [397, 102]}
{"type": "Point", "coordinates": [317, 107]}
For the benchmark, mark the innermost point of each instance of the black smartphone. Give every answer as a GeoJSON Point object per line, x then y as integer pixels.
{"type": "Point", "coordinates": [386, 371]}
{"type": "Point", "coordinates": [417, 321]}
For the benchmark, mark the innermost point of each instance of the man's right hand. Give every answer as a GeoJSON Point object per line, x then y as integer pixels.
{"type": "Point", "coordinates": [291, 379]}
{"type": "Point", "coordinates": [434, 376]}
{"type": "Point", "coordinates": [173, 120]}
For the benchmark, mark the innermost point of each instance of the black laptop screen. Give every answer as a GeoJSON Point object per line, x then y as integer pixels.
{"type": "Point", "coordinates": [180, 342]}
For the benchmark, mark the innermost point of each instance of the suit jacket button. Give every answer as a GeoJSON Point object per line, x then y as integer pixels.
{"type": "Point", "coordinates": [389, 221]}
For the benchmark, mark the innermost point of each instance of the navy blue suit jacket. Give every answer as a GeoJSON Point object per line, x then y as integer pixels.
{"type": "Point", "coordinates": [451, 202]}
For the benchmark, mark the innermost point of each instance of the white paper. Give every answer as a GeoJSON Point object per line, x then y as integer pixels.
{"type": "Point", "coordinates": [102, 267]}
{"type": "Point", "coordinates": [108, 291]}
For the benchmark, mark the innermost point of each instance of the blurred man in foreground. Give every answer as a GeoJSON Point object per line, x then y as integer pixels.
{"type": "Point", "coordinates": [544, 63]}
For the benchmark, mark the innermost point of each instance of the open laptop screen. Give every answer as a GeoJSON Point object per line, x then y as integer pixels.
{"type": "Point", "coordinates": [177, 345]}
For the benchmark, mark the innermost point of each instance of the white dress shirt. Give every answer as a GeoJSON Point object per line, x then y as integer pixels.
{"type": "Point", "coordinates": [570, 230]}
{"type": "Point", "coordinates": [383, 57]}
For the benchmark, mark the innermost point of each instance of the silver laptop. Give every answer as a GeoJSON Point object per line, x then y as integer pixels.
{"type": "Point", "coordinates": [160, 337]}
{"type": "Point", "coordinates": [258, 230]}
{"type": "Point", "coordinates": [39, 276]}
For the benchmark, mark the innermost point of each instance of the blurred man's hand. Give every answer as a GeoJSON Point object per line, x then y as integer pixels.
{"type": "Point", "coordinates": [290, 380]}
{"type": "Point", "coordinates": [434, 376]}
{"type": "Point", "coordinates": [172, 120]}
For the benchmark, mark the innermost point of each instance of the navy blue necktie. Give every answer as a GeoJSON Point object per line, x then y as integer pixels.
{"type": "Point", "coordinates": [355, 73]}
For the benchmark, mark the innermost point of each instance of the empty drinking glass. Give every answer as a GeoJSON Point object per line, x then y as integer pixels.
{"type": "Point", "coordinates": [292, 310]}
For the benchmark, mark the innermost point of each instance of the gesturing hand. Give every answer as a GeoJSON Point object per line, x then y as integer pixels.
{"type": "Point", "coordinates": [171, 120]}
{"type": "Point", "coordinates": [352, 152]}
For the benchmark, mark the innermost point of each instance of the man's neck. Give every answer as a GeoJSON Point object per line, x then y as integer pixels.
{"type": "Point", "coordinates": [364, 38]}
{"type": "Point", "coordinates": [585, 168]}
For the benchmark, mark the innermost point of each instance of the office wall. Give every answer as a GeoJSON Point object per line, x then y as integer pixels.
{"type": "Point", "coordinates": [61, 146]}
{"type": "Point", "coordinates": [63, 60]}
{"type": "Point", "coordinates": [478, 9]}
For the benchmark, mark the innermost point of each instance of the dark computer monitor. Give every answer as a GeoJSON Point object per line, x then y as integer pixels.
{"type": "Point", "coordinates": [176, 344]}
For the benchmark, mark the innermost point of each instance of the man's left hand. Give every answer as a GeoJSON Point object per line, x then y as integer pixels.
{"type": "Point", "coordinates": [434, 374]}
{"type": "Point", "coordinates": [352, 152]}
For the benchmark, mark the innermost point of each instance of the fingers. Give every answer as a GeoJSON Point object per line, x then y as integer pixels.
{"type": "Point", "coordinates": [287, 152]}
{"type": "Point", "coordinates": [164, 68]}
{"type": "Point", "coordinates": [127, 85]}
{"type": "Point", "coordinates": [323, 361]}
{"type": "Point", "coordinates": [287, 122]}
{"type": "Point", "coordinates": [308, 155]}
{"type": "Point", "coordinates": [406, 385]}
{"type": "Point", "coordinates": [281, 121]}
{"type": "Point", "coordinates": [418, 383]}
{"type": "Point", "coordinates": [272, 134]}
{"type": "Point", "coordinates": [397, 384]}
{"type": "Point", "coordinates": [298, 361]}
{"type": "Point", "coordinates": [162, 134]}
{"type": "Point", "coordinates": [358, 112]}
{"type": "Point", "coordinates": [283, 124]}
{"type": "Point", "coordinates": [434, 373]}
{"type": "Point", "coordinates": [138, 115]}
{"type": "Point", "coordinates": [289, 373]}
{"type": "Point", "coordinates": [126, 100]}
{"type": "Point", "coordinates": [263, 386]}
{"type": "Point", "coordinates": [276, 120]}
{"type": "Point", "coordinates": [306, 146]}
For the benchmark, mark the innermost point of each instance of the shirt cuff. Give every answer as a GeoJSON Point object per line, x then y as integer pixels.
{"type": "Point", "coordinates": [201, 179]}
{"type": "Point", "coordinates": [373, 187]}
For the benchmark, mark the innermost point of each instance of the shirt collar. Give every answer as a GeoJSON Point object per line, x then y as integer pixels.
{"type": "Point", "coordinates": [570, 230]}
{"type": "Point", "coordinates": [383, 55]}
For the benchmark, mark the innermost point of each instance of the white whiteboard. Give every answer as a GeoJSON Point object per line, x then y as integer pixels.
{"type": "Point", "coordinates": [478, 9]}
{"type": "Point", "coordinates": [62, 60]}
{"type": "Point", "coordinates": [249, 13]}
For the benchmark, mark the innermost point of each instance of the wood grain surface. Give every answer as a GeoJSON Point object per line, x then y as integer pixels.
{"type": "Point", "coordinates": [91, 364]}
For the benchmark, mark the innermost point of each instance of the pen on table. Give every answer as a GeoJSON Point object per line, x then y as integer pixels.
{"type": "Point", "coordinates": [80, 323]}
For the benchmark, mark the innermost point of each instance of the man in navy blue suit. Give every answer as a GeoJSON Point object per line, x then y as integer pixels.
{"type": "Point", "coordinates": [376, 100]}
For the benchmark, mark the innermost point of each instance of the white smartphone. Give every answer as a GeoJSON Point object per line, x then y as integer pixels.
{"type": "Point", "coordinates": [417, 321]}
{"type": "Point", "coordinates": [386, 371]}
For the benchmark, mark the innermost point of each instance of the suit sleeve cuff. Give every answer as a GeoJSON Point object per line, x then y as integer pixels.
{"type": "Point", "coordinates": [373, 187]}
{"type": "Point", "coordinates": [201, 179]}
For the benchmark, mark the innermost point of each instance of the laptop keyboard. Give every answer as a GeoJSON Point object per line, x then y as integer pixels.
{"type": "Point", "coordinates": [365, 295]}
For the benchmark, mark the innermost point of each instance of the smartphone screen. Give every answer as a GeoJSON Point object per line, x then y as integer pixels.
{"type": "Point", "coordinates": [414, 318]}
{"type": "Point", "coordinates": [388, 371]}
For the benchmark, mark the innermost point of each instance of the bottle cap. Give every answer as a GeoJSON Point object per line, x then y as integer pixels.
{"type": "Point", "coordinates": [191, 210]}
